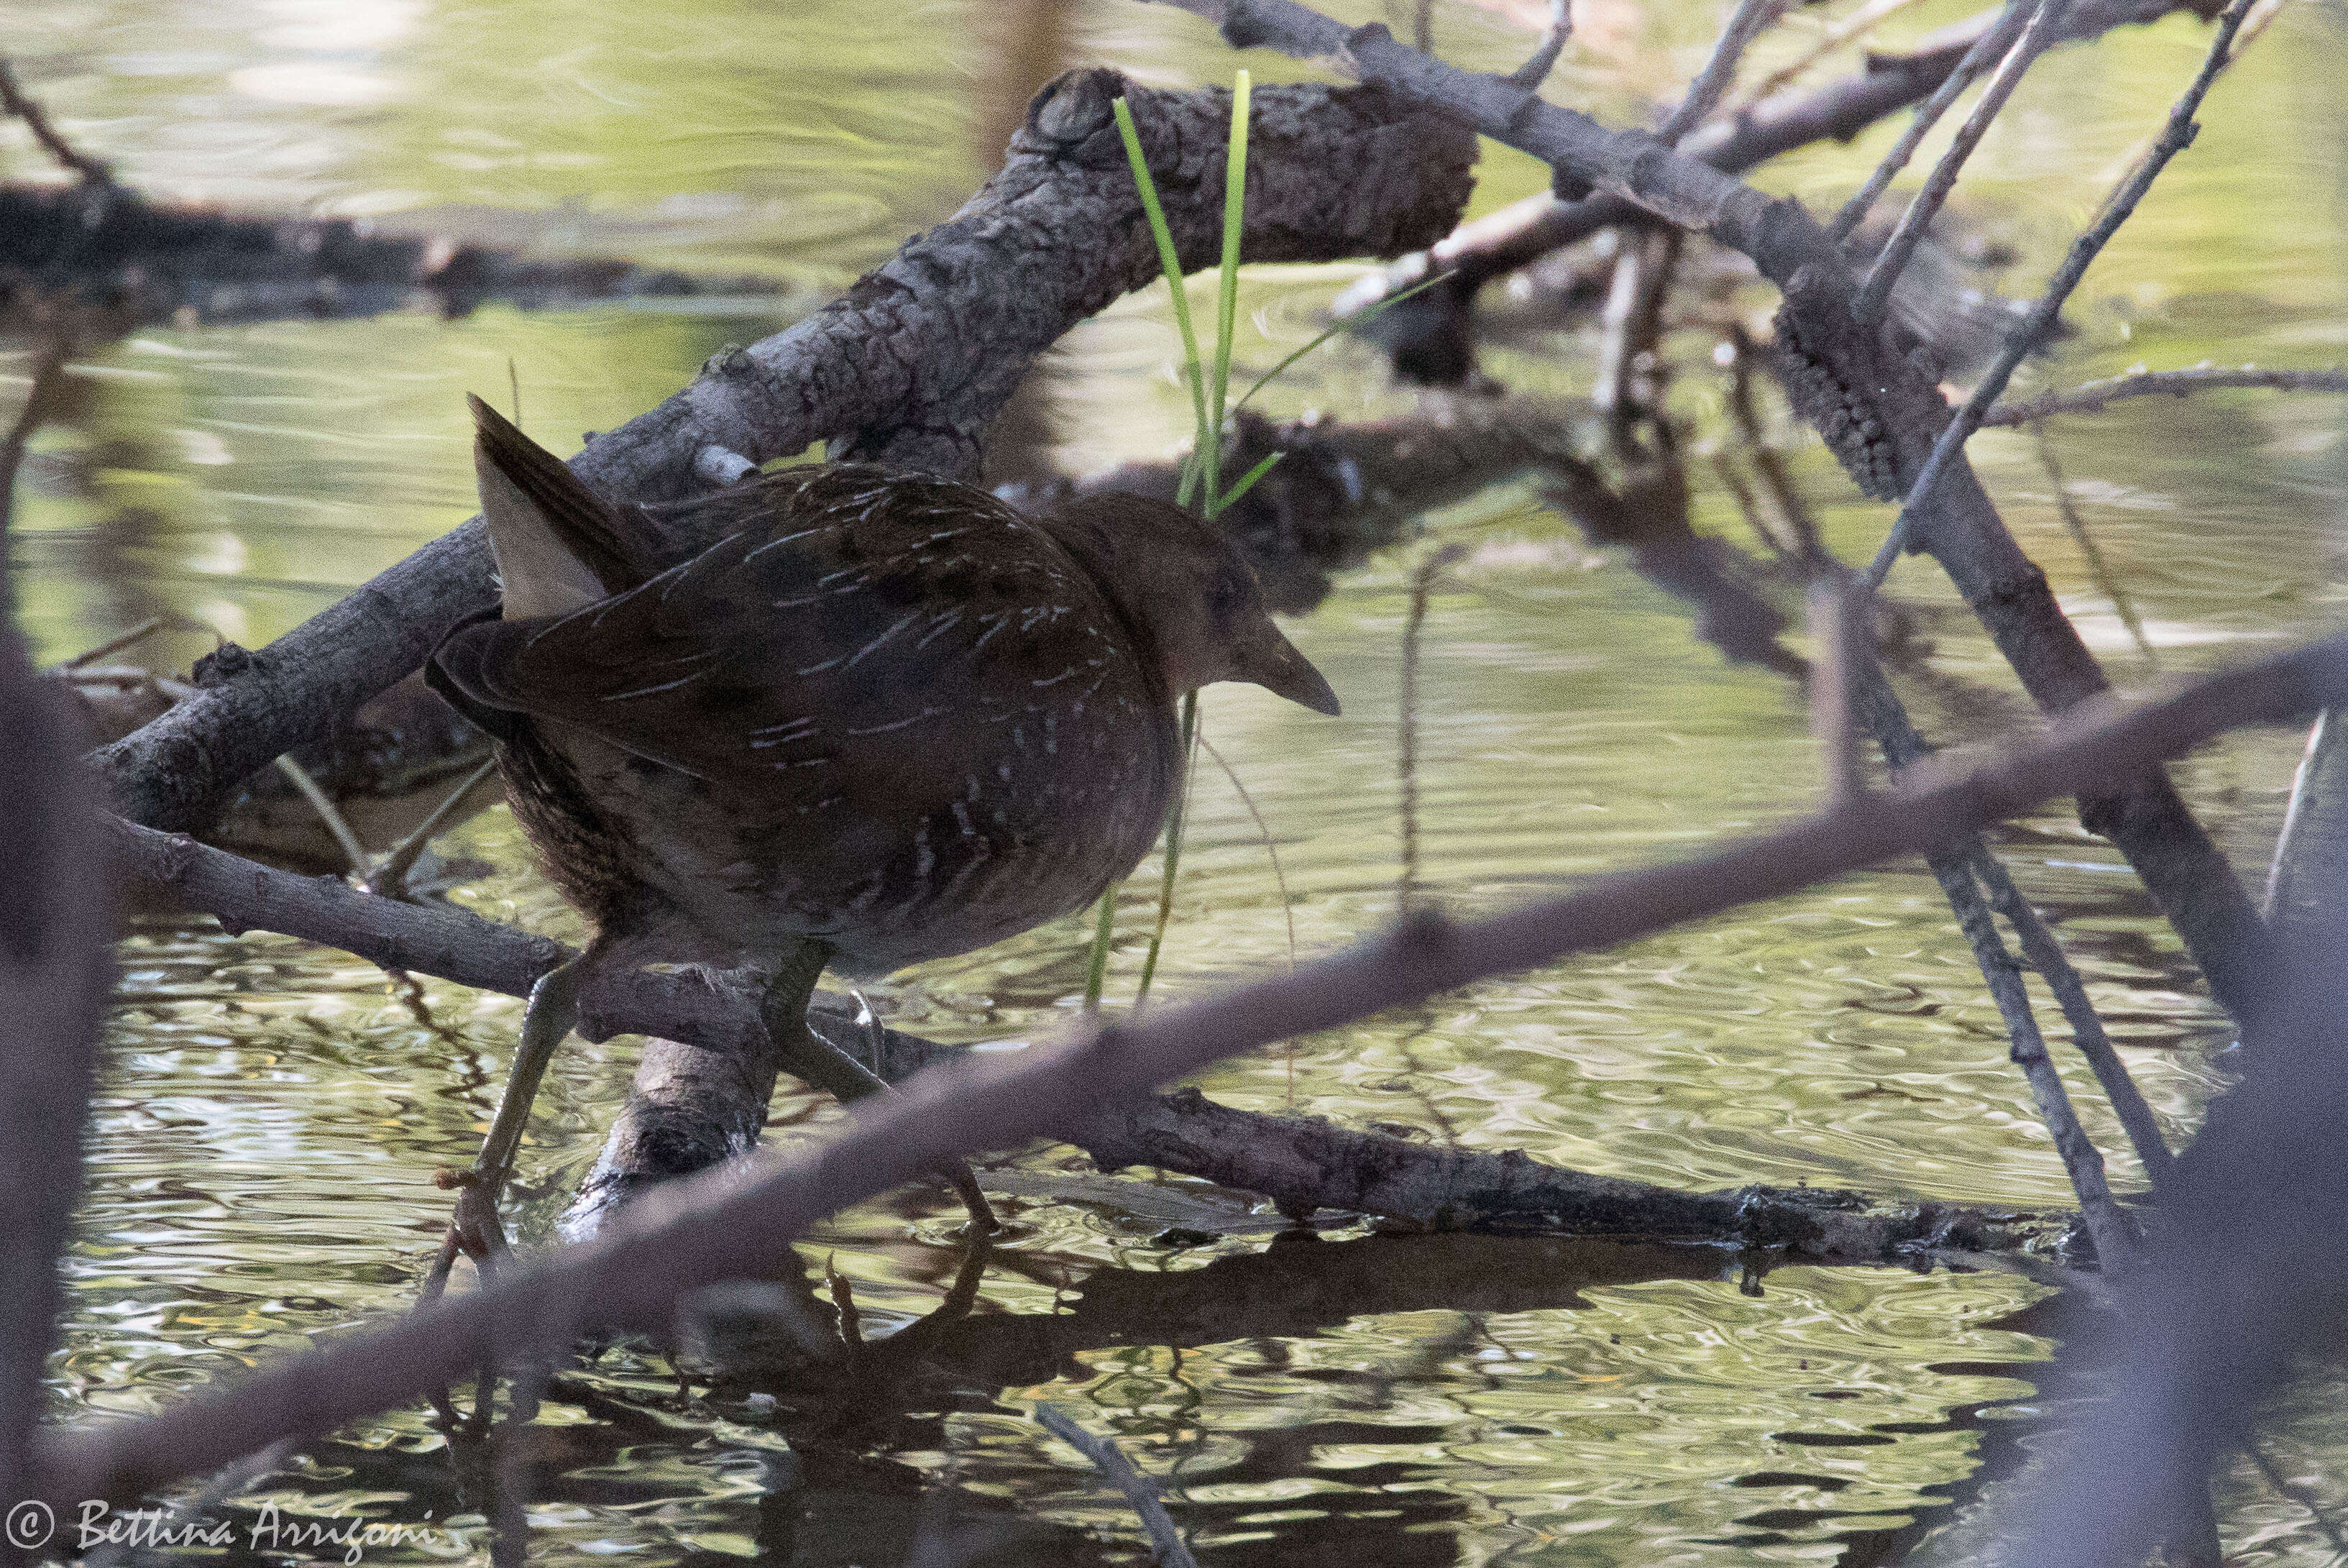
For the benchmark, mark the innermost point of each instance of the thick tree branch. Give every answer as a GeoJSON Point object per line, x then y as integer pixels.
{"type": "Point", "coordinates": [1429, 335]}
{"type": "Point", "coordinates": [737, 1220]}
{"type": "Point", "coordinates": [907, 368]}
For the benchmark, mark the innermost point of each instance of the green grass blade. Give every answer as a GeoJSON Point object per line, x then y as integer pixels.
{"type": "Point", "coordinates": [1348, 324]}
{"type": "Point", "coordinates": [1247, 482]}
{"type": "Point", "coordinates": [1097, 967]}
{"type": "Point", "coordinates": [1227, 299]}
{"type": "Point", "coordinates": [1174, 820]}
{"type": "Point", "coordinates": [1167, 258]}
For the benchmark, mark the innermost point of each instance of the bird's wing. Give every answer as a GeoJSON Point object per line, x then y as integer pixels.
{"type": "Point", "coordinates": [864, 623]}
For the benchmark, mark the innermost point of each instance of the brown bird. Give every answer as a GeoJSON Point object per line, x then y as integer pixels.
{"type": "Point", "coordinates": [884, 719]}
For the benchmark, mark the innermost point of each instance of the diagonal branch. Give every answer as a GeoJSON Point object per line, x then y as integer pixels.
{"type": "Point", "coordinates": [907, 368]}
{"type": "Point", "coordinates": [2043, 28]}
{"type": "Point", "coordinates": [735, 1220]}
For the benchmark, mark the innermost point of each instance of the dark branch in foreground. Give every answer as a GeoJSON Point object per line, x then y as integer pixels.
{"type": "Point", "coordinates": [906, 369]}
{"type": "Point", "coordinates": [738, 1220]}
{"type": "Point", "coordinates": [56, 965]}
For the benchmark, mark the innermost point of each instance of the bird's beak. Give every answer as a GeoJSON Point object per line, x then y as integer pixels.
{"type": "Point", "coordinates": [1272, 663]}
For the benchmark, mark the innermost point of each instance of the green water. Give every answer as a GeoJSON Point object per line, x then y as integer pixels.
{"type": "Point", "coordinates": [271, 1115]}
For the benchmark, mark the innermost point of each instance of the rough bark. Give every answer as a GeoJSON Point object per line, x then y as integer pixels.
{"type": "Point", "coordinates": [1429, 335]}
{"type": "Point", "coordinates": [907, 368]}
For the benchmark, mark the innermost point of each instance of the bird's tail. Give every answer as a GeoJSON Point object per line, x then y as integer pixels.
{"type": "Point", "coordinates": [559, 545]}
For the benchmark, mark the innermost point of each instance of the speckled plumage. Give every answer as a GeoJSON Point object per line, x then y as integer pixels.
{"type": "Point", "coordinates": [884, 712]}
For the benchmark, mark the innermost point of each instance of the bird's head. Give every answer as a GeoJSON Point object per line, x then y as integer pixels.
{"type": "Point", "coordinates": [1186, 588]}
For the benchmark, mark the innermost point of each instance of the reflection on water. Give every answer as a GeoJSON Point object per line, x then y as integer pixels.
{"type": "Point", "coordinates": [272, 1116]}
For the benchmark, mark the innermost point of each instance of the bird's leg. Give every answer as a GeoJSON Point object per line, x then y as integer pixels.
{"type": "Point", "coordinates": [475, 1231]}
{"type": "Point", "coordinates": [807, 1056]}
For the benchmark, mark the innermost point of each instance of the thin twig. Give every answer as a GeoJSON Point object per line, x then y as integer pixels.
{"type": "Point", "coordinates": [49, 375]}
{"type": "Point", "coordinates": [14, 100]}
{"type": "Point", "coordinates": [2043, 953]}
{"type": "Point", "coordinates": [2042, 31]}
{"type": "Point", "coordinates": [1543, 59]}
{"type": "Point", "coordinates": [2175, 138]}
{"type": "Point", "coordinates": [1752, 18]}
{"type": "Point", "coordinates": [1280, 880]}
{"type": "Point", "coordinates": [1989, 46]}
{"type": "Point", "coordinates": [1903, 746]}
{"type": "Point", "coordinates": [114, 644]}
{"type": "Point", "coordinates": [2114, 1239]}
{"type": "Point", "coordinates": [390, 878]}
{"type": "Point", "coordinates": [2105, 579]}
{"type": "Point", "coordinates": [1801, 542]}
{"type": "Point", "coordinates": [2294, 814]}
{"type": "Point", "coordinates": [1422, 587]}
{"type": "Point", "coordinates": [1264, 832]}
{"type": "Point", "coordinates": [1959, 866]}
{"type": "Point", "coordinates": [1857, 24]}
{"type": "Point", "coordinates": [1141, 1493]}
{"type": "Point", "coordinates": [329, 812]}
{"type": "Point", "coordinates": [2285, 1487]}
{"type": "Point", "coordinates": [2092, 396]}
{"type": "Point", "coordinates": [1630, 367]}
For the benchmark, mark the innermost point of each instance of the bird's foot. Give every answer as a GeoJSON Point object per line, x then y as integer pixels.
{"type": "Point", "coordinates": [474, 1230]}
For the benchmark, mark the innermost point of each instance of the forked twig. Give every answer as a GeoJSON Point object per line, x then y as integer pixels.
{"type": "Point", "coordinates": [2175, 138]}
{"type": "Point", "coordinates": [329, 812]}
{"type": "Point", "coordinates": [390, 878]}
{"type": "Point", "coordinates": [1989, 46]}
{"type": "Point", "coordinates": [2040, 32]}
